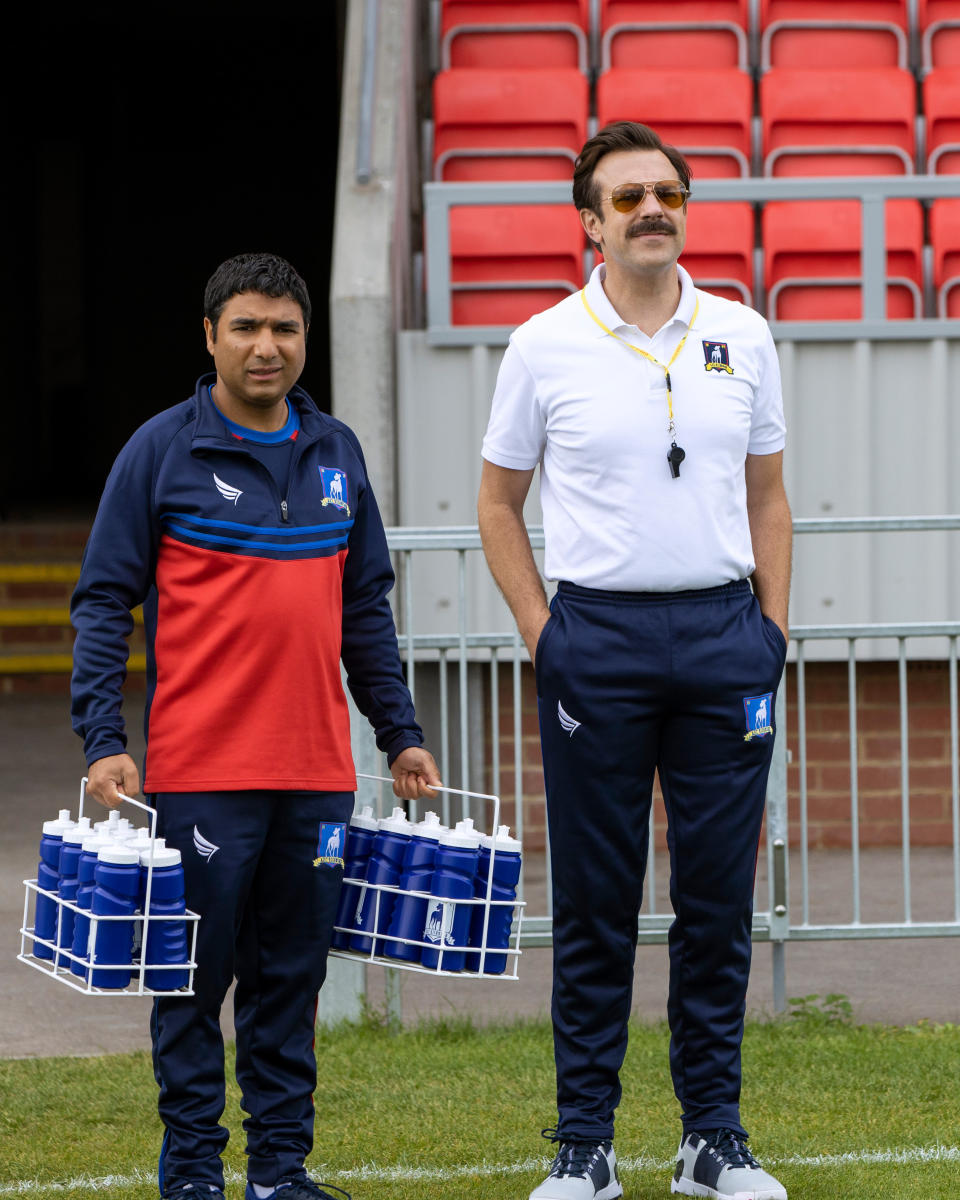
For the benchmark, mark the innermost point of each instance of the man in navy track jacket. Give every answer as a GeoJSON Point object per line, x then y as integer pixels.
{"type": "Point", "coordinates": [243, 521]}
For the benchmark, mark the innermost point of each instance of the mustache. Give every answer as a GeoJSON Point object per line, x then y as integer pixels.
{"type": "Point", "coordinates": [653, 225]}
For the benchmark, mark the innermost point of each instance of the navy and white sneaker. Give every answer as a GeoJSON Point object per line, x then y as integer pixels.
{"type": "Point", "coordinates": [301, 1188]}
{"type": "Point", "coordinates": [720, 1166]}
{"type": "Point", "coordinates": [194, 1191]}
{"type": "Point", "coordinates": [581, 1171]}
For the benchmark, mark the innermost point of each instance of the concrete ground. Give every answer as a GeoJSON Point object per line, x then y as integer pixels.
{"type": "Point", "coordinates": [897, 982]}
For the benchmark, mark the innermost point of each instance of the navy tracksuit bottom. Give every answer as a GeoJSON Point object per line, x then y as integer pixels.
{"type": "Point", "coordinates": [267, 908]}
{"type": "Point", "coordinates": [680, 683]}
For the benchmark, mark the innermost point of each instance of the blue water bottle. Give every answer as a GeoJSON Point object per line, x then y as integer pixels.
{"type": "Point", "coordinates": [448, 924]}
{"type": "Point", "coordinates": [360, 834]}
{"type": "Point", "coordinates": [416, 875]}
{"type": "Point", "coordinates": [506, 853]}
{"type": "Point", "coordinates": [70, 851]}
{"type": "Point", "coordinates": [90, 847]}
{"type": "Point", "coordinates": [165, 942]}
{"type": "Point", "coordinates": [116, 887]}
{"type": "Point", "coordinates": [383, 867]}
{"type": "Point", "coordinates": [48, 877]}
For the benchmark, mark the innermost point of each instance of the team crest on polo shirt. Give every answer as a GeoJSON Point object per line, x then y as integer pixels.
{"type": "Point", "coordinates": [758, 713]}
{"type": "Point", "coordinates": [717, 357]}
{"type": "Point", "coordinates": [334, 484]}
{"type": "Point", "coordinates": [330, 844]}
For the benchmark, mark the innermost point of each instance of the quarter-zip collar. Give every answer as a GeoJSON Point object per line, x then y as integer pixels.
{"type": "Point", "coordinates": [209, 431]}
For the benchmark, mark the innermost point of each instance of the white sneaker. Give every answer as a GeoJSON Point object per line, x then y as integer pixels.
{"type": "Point", "coordinates": [581, 1171]}
{"type": "Point", "coordinates": [720, 1166]}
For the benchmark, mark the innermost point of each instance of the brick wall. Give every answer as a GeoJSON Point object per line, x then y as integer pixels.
{"type": "Point", "coordinates": [828, 756]}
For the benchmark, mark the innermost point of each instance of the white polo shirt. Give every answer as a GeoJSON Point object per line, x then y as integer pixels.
{"type": "Point", "coordinates": [593, 413]}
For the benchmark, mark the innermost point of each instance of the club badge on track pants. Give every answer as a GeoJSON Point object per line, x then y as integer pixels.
{"type": "Point", "coordinates": [684, 684]}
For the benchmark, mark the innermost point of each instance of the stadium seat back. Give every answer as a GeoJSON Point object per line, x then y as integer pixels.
{"type": "Point", "coordinates": [701, 33]}
{"type": "Point", "coordinates": [811, 249]}
{"type": "Point", "coordinates": [941, 103]}
{"type": "Point", "coordinates": [939, 24]}
{"type": "Point", "coordinates": [508, 124]}
{"type": "Point", "coordinates": [503, 34]}
{"type": "Point", "coordinates": [859, 122]}
{"type": "Point", "coordinates": [834, 33]}
{"type": "Point", "coordinates": [719, 248]}
{"type": "Point", "coordinates": [945, 240]}
{"type": "Point", "coordinates": [511, 261]}
{"type": "Point", "coordinates": [707, 114]}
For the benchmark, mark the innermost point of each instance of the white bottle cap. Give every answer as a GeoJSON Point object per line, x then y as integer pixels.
{"type": "Point", "coordinates": [109, 823]}
{"type": "Point", "coordinates": [430, 827]}
{"type": "Point", "coordinates": [163, 856]}
{"type": "Point", "coordinates": [364, 819]}
{"type": "Point", "coordinates": [396, 823]}
{"type": "Point", "coordinates": [503, 840]}
{"type": "Point", "coordinates": [121, 856]}
{"type": "Point", "coordinates": [463, 835]}
{"type": "Point", "coordinates": [77, 832]}
{"type": "Point", "coordinates": [57, 827]}
{"type": "Point", "coordinates": [94, 842]}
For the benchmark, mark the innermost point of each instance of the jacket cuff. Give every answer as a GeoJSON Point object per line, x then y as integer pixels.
{"type": "Point", "coordinates": [399, 742]}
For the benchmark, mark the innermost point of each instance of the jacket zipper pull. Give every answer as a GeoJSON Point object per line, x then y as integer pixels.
{"type": "Point", "coordinates": [283, 510]}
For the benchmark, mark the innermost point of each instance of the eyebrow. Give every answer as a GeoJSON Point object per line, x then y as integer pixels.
{"type": "Point", "coordinates": [284, 323]}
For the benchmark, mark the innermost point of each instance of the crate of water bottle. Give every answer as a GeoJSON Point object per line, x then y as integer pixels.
{"type": "Point", "coordinates": [422, 896]}
{"type": "Point", "coordinates": [106, 914]}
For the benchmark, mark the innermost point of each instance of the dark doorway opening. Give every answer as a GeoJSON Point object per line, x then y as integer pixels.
{"type": "Point", "coordinates": [146, 153]}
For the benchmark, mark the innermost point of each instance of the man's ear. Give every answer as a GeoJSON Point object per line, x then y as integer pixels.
{"type": "Point", "coordinates": [592, 225]}
{"type": "Point", "coordinates": [211, 333]}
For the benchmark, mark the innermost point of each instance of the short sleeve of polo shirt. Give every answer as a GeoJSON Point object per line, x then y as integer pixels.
{"type": "Point", "coordinates": [517, 433]}
{"type": "Point", "coordinates": [767, 427]}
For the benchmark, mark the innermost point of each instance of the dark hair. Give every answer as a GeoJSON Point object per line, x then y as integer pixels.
{"type": "Point", "coordinates": [619, 135]}
{"type": "Point", "coordinates": [267, 274]}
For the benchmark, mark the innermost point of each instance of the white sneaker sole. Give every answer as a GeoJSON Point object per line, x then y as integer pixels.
{"type": "Point", "coordinates": [611, 1192]}
{"type": "Point", "coordinates": [687, 1187]}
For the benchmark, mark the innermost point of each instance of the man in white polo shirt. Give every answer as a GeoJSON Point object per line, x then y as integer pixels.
{"type": "Point", "coordinates": [654, 412]}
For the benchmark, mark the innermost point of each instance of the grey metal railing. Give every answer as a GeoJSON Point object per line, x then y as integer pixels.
{"type": "Point", "coordinates": [871, 191]}
{"type": "Point", "coordinates": [774, 919]}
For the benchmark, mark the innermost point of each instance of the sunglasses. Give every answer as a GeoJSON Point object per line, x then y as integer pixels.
{"type": "Point", "coordinates": [628, 196]}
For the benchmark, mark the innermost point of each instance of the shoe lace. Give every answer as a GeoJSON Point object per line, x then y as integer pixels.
{"type": "Point", "coordinates": [573, 1158]}
{"type": "Point", "coordinates": [732, 1148]}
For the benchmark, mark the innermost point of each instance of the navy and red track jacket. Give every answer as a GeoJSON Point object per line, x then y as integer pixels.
{"type": "Point", "coordinates": [250, 599]}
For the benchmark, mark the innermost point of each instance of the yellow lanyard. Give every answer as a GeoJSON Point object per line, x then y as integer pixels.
{"type": "Point", "coordinates": [655, 361]}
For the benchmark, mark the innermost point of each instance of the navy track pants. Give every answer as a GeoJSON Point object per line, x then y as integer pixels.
{"type": "Point", "coordinates": [267, 914]}
{"type": "Point", "coordinates": [684, 684]}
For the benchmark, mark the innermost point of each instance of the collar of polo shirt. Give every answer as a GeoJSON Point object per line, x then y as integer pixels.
{"type": "Point", "coordinates": [599, 301]}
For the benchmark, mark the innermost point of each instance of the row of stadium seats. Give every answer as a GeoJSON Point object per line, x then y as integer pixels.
{"type": "Point", "coordinates": [686, 33]}
{"type": "Point", "coordinates": [527, 119]}
{"type": "Point", "coordinates": [510, 262]}
{"type": "Point", "coordinates": [530, 124]}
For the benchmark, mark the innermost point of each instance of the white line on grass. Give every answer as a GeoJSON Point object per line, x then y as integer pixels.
{"type": "Point", "coordinates": [371, 1173]}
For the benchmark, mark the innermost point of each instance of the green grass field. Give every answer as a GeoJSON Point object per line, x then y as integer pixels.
{"type": "Point", "coordinates": [449, 1110]}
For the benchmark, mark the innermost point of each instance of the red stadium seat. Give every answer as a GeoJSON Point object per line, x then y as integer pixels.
{"type": "Point", "coordinates": [812, 269]}
{"type": "Point", "coordinates": [719, 249]}
{"type": "Point", "coordinates": [834, 33]}
{"type": "Point", "coordinates": [707, 114]}
{"type": "Point", "coordinates": [683, 33]}
{"type": "Point", "coordinates": [938, 22]}
{"type": "Point", "coordinates": [509, 262]}
{"type": "Point", "coordinates": [508, 124]}
{"type": "Point", "coordinates": [941, 103]}
{"type": "Point", "coordinates": [515, 34]}
{"type": "Point", "coordinates": [860, 122]}
{"type": "Point", "coordinates": [945, 239]}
